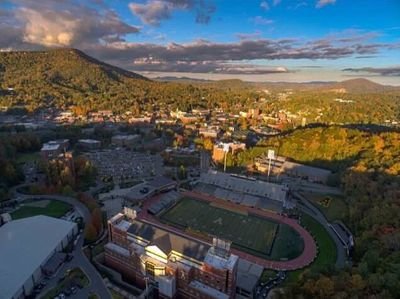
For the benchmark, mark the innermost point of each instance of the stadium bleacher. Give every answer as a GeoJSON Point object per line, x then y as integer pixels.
{"type": "Point", "coordinates": [166, 201]}
{"type": "Point", "coordinates": [243, 190]}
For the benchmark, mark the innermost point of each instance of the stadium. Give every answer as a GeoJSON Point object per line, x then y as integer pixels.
{"type": "Point", "coordinates": [243, 210]}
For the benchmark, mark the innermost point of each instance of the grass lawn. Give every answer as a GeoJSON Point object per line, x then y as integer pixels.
{"type": "Point", "coordinates": [288, 244]}
{"type": "Point", "coordinates": [326, 247]}
{"type": "Point", "coordinates": [115, 295]}
{"type": "Point", "coordinates": [267, 274]}
{"type": "Point", "coordinates": [54, 208]}
{"type": "Point", "coordinates": [28, 157]}
{"type": "Point", "coordinates": [337, 208]}
{"type": "Point", "coordinates": [249, 233]}
{"type": "Point", "coordinates": [74, 277]}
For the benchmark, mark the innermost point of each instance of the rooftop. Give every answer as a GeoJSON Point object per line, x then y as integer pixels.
{"type": "Point", "coordinates": [167, 241]}
{"type": "Point", "coordinates": [50, 146]}
{"type": "Point", "coordinates": [25, 245]}
{"type": "Point", "coordinates": [160, 182]}
{"type": "Point", "coordinates": [224, 263]}
{"type": "Point", "coordinates": [205, 289]}
{"type": "Point", "coordinates": [248, 275]}
{"type": "Point", "coordinates": [89, 141]}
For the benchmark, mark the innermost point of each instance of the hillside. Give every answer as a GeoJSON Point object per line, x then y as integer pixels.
{"type": "Point", "coordinates": [360, 85]}
{"type": "Point", "coordinates": [65, 77]}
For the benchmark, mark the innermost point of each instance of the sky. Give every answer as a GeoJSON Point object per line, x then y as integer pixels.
{"type": "Point", "coordinates": [253, 40]}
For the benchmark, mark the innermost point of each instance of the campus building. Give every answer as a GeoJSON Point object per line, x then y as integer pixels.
{"type": "Point", "coordinates": [89, 144]}
{"type": "Point", "coordinates": [177, 267]}
{"type": "Point", "coordinates": [129, 141]}
{"type": "Point", "coordinates": [28, 248]}
{"type": "Point", "coordinates": [281, 166]}
{"type": "Point", "coordinates": [219, 149]}
{"type": "Point", "coordinates": [54, 148]}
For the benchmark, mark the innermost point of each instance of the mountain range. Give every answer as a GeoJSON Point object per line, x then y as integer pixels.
{"type": "Point", "coordinates": [64, 77]}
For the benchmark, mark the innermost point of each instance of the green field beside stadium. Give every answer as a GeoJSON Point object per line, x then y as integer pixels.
{"type": "Point", "coordinates": [250, 233]}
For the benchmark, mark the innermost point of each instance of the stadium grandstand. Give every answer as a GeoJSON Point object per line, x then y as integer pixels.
{"type": "Point", "coordinates": [166, 201]}
{"type": "Point", "coordinates": [243, 190]}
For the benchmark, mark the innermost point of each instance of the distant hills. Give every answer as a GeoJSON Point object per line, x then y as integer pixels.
{"type": "Point", "coordinates": [68, 77]}
{"type": "Point", "coordinates": [358, 85]}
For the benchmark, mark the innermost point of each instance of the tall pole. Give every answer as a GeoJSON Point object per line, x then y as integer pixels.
{"type": "Point", "coordinates": [226, 150]}
{"type": "Point", "coordinates": [269, 167]}
{"type": "Point", "coordinates": [147, 288]}
{"type": "Point", "coordinates": [225, 155]}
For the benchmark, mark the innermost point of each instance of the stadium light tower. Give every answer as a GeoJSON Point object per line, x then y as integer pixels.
{"type": "Point", "coordinates": [271, 155]}
{"type": "Point", "coordinates": [226, 150]}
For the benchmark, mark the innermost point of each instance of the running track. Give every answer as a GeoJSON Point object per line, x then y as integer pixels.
{"type": "Point", "coordinates": [306, 258]}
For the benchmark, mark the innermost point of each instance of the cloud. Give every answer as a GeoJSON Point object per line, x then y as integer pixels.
{"type": "Point", "coordinates": [100, 32]}
{"type": "Point", "coordinates": [153, 12]}
{"type": "Point", "coordinates": [259, 20]}
{"type": "Point", "coordinates": [254, 35]}
{"type": "Point", "coordinates": [322, 3]}
{"type": "Point", "coordinates": [276, 2]}
{"type": "Point", "coordinates": [264, 5]}
{"type": "Point", "coordinates": [388, 71]}
{"type": "Point", "coordinates": [151, 64]}
{"type": "Point", "coordinates": [203, 55]}
{"type": "Point", "coordinates": [62, 23]}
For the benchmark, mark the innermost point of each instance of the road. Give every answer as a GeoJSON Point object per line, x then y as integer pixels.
{"type": "Point", "coordinates": [80, 260]}
{"type": "Point", "coordinates": [307, 207]}
{"type": "Point", "coordinates": [301, 185]}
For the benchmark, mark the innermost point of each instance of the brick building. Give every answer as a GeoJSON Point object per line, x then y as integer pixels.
{"type": "Point", "coordinates": [54, 148]}
{"type": "Point", "coordinates": [178, 267]}
{"type": "Point", "coordinates": [218, 150]}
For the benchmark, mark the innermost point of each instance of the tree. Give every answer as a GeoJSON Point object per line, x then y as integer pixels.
{"type": "Point", "coordinates": [97, 220]}
{"type": "Point", "coordinates": [182, 173]}
{"type": "Point", "coordinates": [325, 287]}
{"type": "Point", "coordinates": [90, 232]}
{"type": "Point", "coordinates": [208, 144]}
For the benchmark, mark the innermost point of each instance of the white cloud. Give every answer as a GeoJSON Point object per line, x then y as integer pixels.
{"type": "Point", "coordinates": [259, 20]}
{"type": "Point", "coordinates": [276, 2]}
{"type": "Point", "coordinates": [47, 29]}
{"type": "Point", "coordinates": [322, 3]}
{"type": "Point", "coordinates": [264, 5]}
{"type": "Point", "coordinates": [152, 12]}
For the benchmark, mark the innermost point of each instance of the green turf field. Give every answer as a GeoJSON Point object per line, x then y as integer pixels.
{"type": "Point", "coordinates": [249, 233]}
{"type": "Point", "coordinates": [54, 208]}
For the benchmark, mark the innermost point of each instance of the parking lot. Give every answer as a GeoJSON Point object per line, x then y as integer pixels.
{"type": "Point", "coordinates": [264, 288]}
{"type": "Point", "coordinates": [121, 165]}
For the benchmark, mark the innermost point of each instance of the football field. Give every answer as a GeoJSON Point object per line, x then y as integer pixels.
{"type": "Point", "coordinates": [249, 233]}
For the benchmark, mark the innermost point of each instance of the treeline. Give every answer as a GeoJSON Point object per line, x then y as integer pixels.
{"type": "Point", "coordinates": [67, 175]}
{"type": "Point", "coordinates": [10, 146]}
{"type": "Point", "coordinates": [348, 108]}
{"type": "Point", "coordinates": [94, 227]}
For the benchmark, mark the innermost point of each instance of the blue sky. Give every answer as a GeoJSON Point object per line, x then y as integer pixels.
{"type": "Point", "coordinates": [270, 40]}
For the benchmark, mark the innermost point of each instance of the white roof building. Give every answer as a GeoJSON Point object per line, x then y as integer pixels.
{"type": "Point", "coordinates": [26, 245]}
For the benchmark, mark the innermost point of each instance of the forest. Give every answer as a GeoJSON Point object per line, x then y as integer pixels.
{"type": "Point", "coordinates": [367, 164]}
